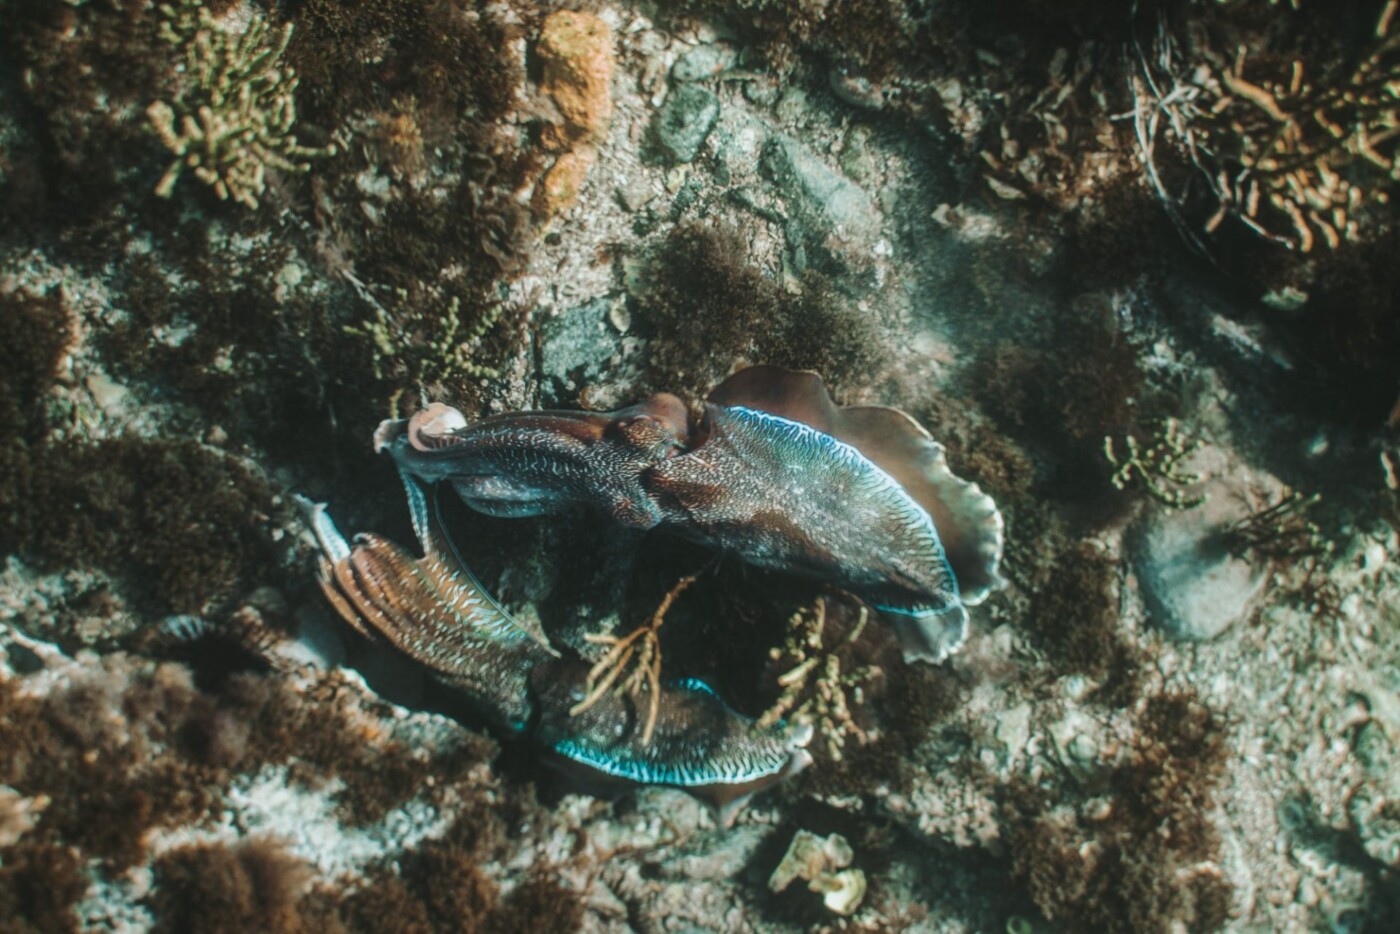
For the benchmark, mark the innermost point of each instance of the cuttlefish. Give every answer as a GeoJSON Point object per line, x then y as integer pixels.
{"type": "Point", "coordinates": [435, 611]}
{"type": "Point", "coordinates": [767, 469]}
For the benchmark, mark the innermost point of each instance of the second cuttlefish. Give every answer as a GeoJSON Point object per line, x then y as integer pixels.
{"type": "Point", "coordinates": [435, 611]}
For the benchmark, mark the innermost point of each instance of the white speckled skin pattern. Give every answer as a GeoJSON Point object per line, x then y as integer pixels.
{"type": "Point", "coordinates": [773, 473]}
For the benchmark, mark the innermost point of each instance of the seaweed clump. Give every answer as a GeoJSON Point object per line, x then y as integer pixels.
{"type": "Point", "coordinates": [1074, 620]}
{"type": "Point", "coordinates": [872, 36]}
{"type": "Point", "coordinates": [87, 70]}
{"type": "Point", "coordinates": [135, 746]}
{"type": "Point", "coordinates": [432, 84]}
{"type": "Point", "coordinates": [39, 885]}
{"type": "Point", "coordinates": [190, 521]}
{"type": "Point", "coordinates": [709, 309]}
{"type": "Point", "coordinates": [441, 887]}
{"type": "Point", "coordinates": [255, 885]}
{"type": "Point", "coordinates": [540, 903]}
{"type": "Point", "coordinates": [1148, 859]}
{"type": "Point", "coordinates": [107, 758]}
{"type": "Point", "coordinates": [359, 56]}
{"type": "Point", "coordinates": [35, 333]}
{"type": "Point", "coordinates": [434, 888]}
{"type": "Point", "coordinates": [1063, 394]}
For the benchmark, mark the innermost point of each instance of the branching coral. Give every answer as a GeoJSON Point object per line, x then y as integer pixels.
{"type": "Point", "coordinates": [814, 690]}
{"type": "Point", "coordinates": [1157, 464]}
{"type": "Point", "coordinates": [1281, 530]}
{"type": "Point", "coordinates": [645, 676]}
{"type": "Point", "coordinates": [1295, 153]}
{"type": "Point", "coordinates": [234, 120]}
{"type": "Point", "coordinates": [417, 346]}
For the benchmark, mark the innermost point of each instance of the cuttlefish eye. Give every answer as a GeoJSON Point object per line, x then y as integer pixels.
{"type": "Point", "coordinates": [433, 427]}
{"type": "Point", "coordinates": [648, 433]}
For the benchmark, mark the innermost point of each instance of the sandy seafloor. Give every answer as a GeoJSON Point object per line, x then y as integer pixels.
{"type": "Point", "coordinates": [1183, 711]}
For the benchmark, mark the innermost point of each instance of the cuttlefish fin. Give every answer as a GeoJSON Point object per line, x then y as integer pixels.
{"type": "Point", "coordinates": [930, 637]}
{"type": "Point", "coordinates": [700, 744]}
{"type": "Point", "coordinates": [797, 395]}
{"type": "Point", "coordinates": [968, 522]}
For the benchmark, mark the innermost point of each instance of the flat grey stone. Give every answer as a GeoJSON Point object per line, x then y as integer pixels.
{"type": "Point", "coordinates": [701, 62]}
{"type": "Point", "coordinates": [826, 203]}
{"type": "Point", "coordinates": [1194, 587]}
{"type": "Point", "coordinates": [685, 120]}
{"type": "Point", "coordinates": [575, 346]}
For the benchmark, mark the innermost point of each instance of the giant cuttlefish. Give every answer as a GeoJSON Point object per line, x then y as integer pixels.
{"type": "Point", "coordinates": [769, 469]}
{"type": "Point", "coordinates": [435, 611]}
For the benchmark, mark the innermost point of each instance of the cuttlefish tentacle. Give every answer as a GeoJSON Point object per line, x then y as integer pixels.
{"type": "Point", "coordinates": [434, 611]}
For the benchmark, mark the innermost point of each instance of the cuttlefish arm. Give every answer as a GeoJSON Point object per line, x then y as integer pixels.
{"type": "Point", "coordinates": [431, 609]}
{"type": "Point", "coordinates": [538, 463]}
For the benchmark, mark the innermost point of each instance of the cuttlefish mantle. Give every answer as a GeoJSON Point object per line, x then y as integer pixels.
{"type": "Point", "coordinates": [435, 611]}
{"type": "Point", "coordinates": [768, 469]}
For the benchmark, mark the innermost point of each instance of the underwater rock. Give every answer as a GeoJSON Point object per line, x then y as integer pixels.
{"type": "Point", "coordinates": [703, 61]}
{"type": "Point", "coordinates": [855, 89]}
{"type": "Point", "coordinates": [685, 121]}
{"type": "Point", "coordinates": [1194, 587]}
{"type": "Point", "coordinates": [576, 61]}
{"type": "Point", "coordinates": [837, 214]}
{"type": "Point", "coordinates": [558, 190]}
{"type": "Point", "coordinates": [576, 346]}
{"type": "Point", "coordinates": [738, 144]}
{"type": "Point", "coordinates": [714, 855]}
{"type": "Point", "coordinates": [1377, 821]}
{"type": "Point", "coordinates": [576, 54]}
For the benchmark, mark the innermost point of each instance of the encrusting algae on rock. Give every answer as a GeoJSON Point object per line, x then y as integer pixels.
{"type": "Point", "coordinates": [576, 55]}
